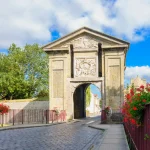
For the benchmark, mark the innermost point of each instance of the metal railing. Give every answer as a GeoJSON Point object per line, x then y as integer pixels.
{"type": "Point", "coordinates": [35, 116]}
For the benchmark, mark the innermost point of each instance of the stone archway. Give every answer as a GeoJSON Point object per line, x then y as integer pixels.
{"type": "Point", "coordinates": [79, 100]}
{"type": "Point", "coordinates": [80, 87]}
{"type": "Point", "coordinates": [86, 56]}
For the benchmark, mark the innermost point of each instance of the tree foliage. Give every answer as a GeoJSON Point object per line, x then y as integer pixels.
{"type": "Point", "coordinates": [88, 96]}
{"type": "Point", "coordinates": [23, 72]}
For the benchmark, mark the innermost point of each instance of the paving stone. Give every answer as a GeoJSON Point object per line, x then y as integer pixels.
{"type": "Point", "coordinates": [73, 136]}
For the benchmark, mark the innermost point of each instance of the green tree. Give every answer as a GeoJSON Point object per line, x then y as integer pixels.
{"type": "Point", "coordinates": [88, 96]}
{"type": "Point", "coordinates": [100, 103]}
{"type": "Point", "coordinates": [23, 72]}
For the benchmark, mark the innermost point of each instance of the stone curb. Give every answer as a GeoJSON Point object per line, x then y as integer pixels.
{"type": "Point", "coordinates": [95, 142]}
{"type": "Point", "coordinates": [99, 141]}
{"type": "Point", "coordinates": [97, 128]}
{"type": "Point", "coordinates": [32, 126]}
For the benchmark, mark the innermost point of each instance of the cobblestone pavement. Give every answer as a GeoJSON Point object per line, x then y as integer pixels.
{"type": "Point", "coordinates": [68, 136]}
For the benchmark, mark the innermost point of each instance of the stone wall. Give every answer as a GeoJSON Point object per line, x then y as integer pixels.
{"type": "Point", "coordinates": [14, 104]}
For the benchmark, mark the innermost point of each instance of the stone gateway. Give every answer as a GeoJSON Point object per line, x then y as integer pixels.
{"type": "Point", "coordinates": [79, 59]}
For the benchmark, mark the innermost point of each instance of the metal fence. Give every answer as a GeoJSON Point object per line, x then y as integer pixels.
{"type": "Point", "coordinates": [35, 116]}
{"type": "Point", "coordinates": [139, 137]}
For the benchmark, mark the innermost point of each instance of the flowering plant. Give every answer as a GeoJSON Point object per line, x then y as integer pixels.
{"type": "Point", "coordinates": [4, 109]}
{"type": "Point", "coordinates": [107, 110]}
{"type": "Point", "coordinates": [56, 111]}
{"type": "Point", "coordinates": [134, 105]}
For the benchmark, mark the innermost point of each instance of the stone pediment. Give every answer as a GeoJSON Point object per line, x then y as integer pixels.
{"type": "Point", "coordinates": [84, 38]}
{"type": "Point", "coordinates": [81, 42]}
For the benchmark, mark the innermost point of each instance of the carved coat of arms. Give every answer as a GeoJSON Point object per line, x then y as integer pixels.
{"type": "Point", "coordinates": [85, 67]}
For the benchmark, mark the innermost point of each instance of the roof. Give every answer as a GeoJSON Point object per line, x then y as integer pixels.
{"type": "Point", "coordinates": [85, 30]}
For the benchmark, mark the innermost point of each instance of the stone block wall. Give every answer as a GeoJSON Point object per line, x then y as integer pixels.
{"type": "Point", "coordinates": [28, 104]}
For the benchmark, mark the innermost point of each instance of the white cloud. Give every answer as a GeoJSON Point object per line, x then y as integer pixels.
{"type": "Point", "coordinates": [133, 16]}
{"type": "Point", "coordinates": [132, 72]}
{"type": "Point", "coordinates": [28, 21]}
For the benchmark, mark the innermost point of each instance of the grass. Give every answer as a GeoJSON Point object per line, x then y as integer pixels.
{"type": "Point", "coordinates": [5, 125]}
{"type": "Point", "coordinates": [42, 99]}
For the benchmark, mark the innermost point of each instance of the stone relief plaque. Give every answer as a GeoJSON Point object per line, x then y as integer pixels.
{"type": "Point", "coordinates": [85, 67]}
{"type": "Point", "coordinates": [82, 42]}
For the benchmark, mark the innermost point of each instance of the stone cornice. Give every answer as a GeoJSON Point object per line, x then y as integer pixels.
{"type": "Point", "coordinates": [88, 79]}
{"type": "Point", "coordinates": [115, 46]}
{"type": "Point", "coordinates": [88, 49]}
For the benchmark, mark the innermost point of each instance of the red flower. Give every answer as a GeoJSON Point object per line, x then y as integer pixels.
{"type": "Point", "coordinates": [144, 100]}
{"type": "Point", "coordinates": [142, 86]}
{"type": "Point", "coordinates": [139, 94]}
{"type": "Point", "coordinates": [128, 96]}
{"type": "Point", "coordinates": [132, 92]}
{"type": "Point", "coordinates": [135, 108]}
{"type": "Point", "coordinates": [133, 121]}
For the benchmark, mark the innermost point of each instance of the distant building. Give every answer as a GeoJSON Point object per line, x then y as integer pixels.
{"type": "Point", "coordinates": [94, 108]}
{"type": "Point", "coordinates": [137, 82]}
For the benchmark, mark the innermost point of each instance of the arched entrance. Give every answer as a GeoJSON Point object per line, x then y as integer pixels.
{"type": "Point", "coordinates": [81, 106]}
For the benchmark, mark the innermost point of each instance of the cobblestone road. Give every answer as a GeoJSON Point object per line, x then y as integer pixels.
{"type": "Point", "coordinates": [71, 136]}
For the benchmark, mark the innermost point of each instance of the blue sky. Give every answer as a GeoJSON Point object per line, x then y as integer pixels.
{"type": "Point", "coordinates": [139, 53]}
{"type": "Point", "coordinates": [42, 21]}
{"type": "Point", "coordinates": [95, 90]}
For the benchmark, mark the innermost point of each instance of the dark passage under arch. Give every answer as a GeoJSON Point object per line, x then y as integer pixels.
{"type": "Point", "coordinates": [79, 101]}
